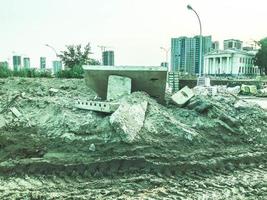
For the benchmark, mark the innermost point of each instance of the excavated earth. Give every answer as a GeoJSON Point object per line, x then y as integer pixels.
{"type": "Point", "coordinates": [212, 148]}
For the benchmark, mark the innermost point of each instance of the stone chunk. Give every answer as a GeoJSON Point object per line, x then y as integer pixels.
{"type": "Point", "coordinates": [249, 89]}
{"type": "Point", "coordinates": [182, 96]}
{"type": "Point", "coordinates": [118, 86]}
{"type": "Point", "coordinates": [15, 111]}
{"type": "Point", "coordinates": [92, 147]}
{"type": "Point", "coordinates": [53, 91]}
{"type": "Point", "coordinates": [128, 120]}
{"type": "Point", "coordinates": [2, 121]}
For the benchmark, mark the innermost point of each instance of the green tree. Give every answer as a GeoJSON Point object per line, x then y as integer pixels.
{"type": "Point", "coordinates": [261, 56]}
{"type": "Point", "coordinates": [74, 55]}
{"type": "Point", "coordinates": [4, 71]}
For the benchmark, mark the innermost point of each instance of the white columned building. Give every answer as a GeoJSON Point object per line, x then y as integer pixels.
{"type": "Point", "coordinates": [230, 62]}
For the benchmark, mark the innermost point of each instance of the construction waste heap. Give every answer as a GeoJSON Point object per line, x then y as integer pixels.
{"type": "Point", "coordinates": [193, 146]}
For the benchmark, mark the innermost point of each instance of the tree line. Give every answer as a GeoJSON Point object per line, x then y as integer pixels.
{"type": "Point", "coordinates": [261, 56]}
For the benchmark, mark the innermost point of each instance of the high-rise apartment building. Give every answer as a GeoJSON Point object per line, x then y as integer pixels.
{"type": "Point", "coordinates": [57, 66]}
{"type": "Point", "coordinates": [108, 58]}
{"type": "Point", "coordinates": [26, 62]}
{"type": "Point", "coordinates": [42, 62]}
{"type": "Point", "coordinates": [16, 63]}
{"type": "Point", "coordinates": [185, 53]}
{"type": "Point", "coordinates": [232, 44]}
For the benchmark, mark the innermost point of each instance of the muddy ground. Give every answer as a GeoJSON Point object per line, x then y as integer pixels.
{"type": "Point", "coordinates": [213, 148]}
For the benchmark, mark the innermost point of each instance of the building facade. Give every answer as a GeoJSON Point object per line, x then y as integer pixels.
{"type": "Point", "coordinates": [26, 63]}
{"type": "Point", "coordinates": [232, 44]}
{"type": "Point", "coordinates": [42, 62]}
{"type": "Point", "coordinates": [215, 46]}
{"type": "Point", "coordinates": [57, 66]}
{"type": "Point", "coordinates": [108, 58]}
{"type": "Point", "coordinates": [16, 63]}
{"type": "Point", "coordinates": [230, 62]}
{"type": "Point", "coordinates": [185, 53]}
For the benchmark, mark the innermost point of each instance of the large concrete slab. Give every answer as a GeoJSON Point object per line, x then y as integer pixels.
{"type": "Point", "coordinates": [149, 79]}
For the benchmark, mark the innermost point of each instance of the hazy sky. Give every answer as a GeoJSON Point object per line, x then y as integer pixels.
{"type": "Point", "coordinates": [135, 29]}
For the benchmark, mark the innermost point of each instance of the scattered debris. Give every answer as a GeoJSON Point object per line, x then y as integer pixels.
{"type": "Point", "coordinates": [233, 90]}
{"type": "Point", "coordinates": [222, 90]}
{"type": "Point", "coordinates": [10, 103]}
{"type": "Point", "coordinates": [80, 154]}
{"type": "Point", "coordinates": [262, 92]}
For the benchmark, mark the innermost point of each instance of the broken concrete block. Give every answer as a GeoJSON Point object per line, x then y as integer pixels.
{"type": "Point", "coordinates": [182, 96]}
{"type": "Point", "coordinates": [15, 111]}
{"type": "Point", "coordinates": [253, 89]}
{"type": "Point", "coordinates": [128, 120]}
{"type": "Point", "coordinates": [100, 106]}
{"type": "Point", "coordinates": [118, 86]}
{"type": "Point", "coordinates": [249, 89]}
{"type": "Point", "coordinates": [2, 121]}
{"type": "Point", "coordinates": [53, 91]}
{"type": "Point", "coordinates": [92, 147]}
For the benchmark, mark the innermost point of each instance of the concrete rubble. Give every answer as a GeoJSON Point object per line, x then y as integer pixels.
{"type": "Point", "coordinates": [182, 96]}
{"type": "Point", "coordinates": [249, 89]}
{"type": "Point", "coordinates": [222, 90]}
{"type": "Point", "coordinates": [128, 120]}
{"type": "Point", "coordinates": [213, 147]}
{"type": "Point", "coordinates": [15, 111]}
{"type": "Point", "coordinates": [2, 121]}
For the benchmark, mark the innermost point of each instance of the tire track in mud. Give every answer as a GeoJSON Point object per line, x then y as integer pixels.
{"type": "Point", "coordinates": [236, 175]}
{"type": "Point", "coordinates": [125, 165]}
{"type": "Point", "coordinates": [243, 184]}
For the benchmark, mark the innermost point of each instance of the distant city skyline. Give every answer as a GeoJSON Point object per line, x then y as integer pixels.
{"type": "Point", "coordinates": [185, 53]}
{"type": "Point", "coordinates": [134, 29]}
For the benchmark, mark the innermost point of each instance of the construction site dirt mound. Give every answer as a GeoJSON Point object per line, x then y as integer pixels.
{"type": "Point", "coordinates": [211, 148]}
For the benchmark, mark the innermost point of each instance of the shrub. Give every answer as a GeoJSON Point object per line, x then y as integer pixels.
{"type": "Point", "coordinates": [5, 72]}
{"type": "Point", "coordinates": [75, 72]}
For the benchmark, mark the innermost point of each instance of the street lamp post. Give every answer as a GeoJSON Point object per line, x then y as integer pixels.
{"type": "Point", "coordinates": [200, 40]}
{"type": "Point", "coordinates": [166, 50]}
{"type": "Point", "coordinates": [57, 65]}
{"type": "Point", "coordinates": [52, 49]}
